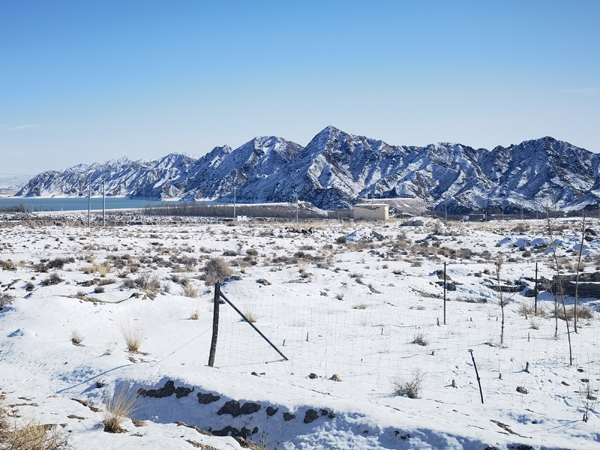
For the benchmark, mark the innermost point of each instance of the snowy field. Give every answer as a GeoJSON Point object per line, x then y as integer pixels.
{"type": "Point", "coordinates": [360, 303]}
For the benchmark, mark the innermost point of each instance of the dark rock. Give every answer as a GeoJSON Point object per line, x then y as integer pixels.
{"type": "Point", "coordinates": [524, 447]}
{"type": "Point", "coordinates": [205, 399]}
{"type": "Point", "coordinates": [310, 416]}
{"type": "Point", "coordinates": [312, 376]}
{"type": "Point", "coordinates": [287, 416]}
{"type": "Point", "coordinates": [324, 412]}
{"type": "Point", "coordinates": [521, 390]}
{"type": "Point", "coordinates": [271, 411]}
{"type": "Point", "coordinates": [332, 415]}
{"type": "Point", "coordinates": [232, 431]}
{"type": "Point", "coordinates": [183, 391]}
{"type": "Point", "coordinates": [166, 391]}
{"type": "Point", "coordinates": [565, 383]}
{"type": "Point", "coordinates": [249, 408]}
{"type": "Point", "coordinates": [231, 407]}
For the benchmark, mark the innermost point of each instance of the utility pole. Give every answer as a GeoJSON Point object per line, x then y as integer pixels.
{"type": "Point", "coordinates": [234, 202]}
{"type": "Point", "coordinates": [446, 213]}
{"type": "Point", "coordinates": [103, 203]}
{"type": "Point", "coordinates": [89, 202]}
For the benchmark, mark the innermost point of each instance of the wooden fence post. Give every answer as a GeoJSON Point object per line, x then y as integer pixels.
{"type": "Point", "coordinates": [215, 333]}
{"type": "Point", "coordinates": [445, 293]}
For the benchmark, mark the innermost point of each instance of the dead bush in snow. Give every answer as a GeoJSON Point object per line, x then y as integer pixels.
{"type": "Point", "coordinates": [76, 338]}
{"type": "Point", "coordinates": [133, 332]}
{"type": "Point", "coordinates": [52, 279]}
{"type": "Point", "coordinates": [216, 271]}
{"type": "Point", "coordinates": [420, 339]}
{"type": "Point", "coordinates": [188, 288]}
{"type": "Point", "coordinates": [8, 265]}
{"type": "Point", "coordinates": [30, 435]}
{"type": "Point", "coordinates": [410, 386]}
{"type": "Point", "coordinates": [118, 408]}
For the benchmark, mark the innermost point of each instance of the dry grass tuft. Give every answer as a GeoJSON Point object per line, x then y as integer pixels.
{"type": "Point", "coordinates": [77, 338]}
{"type": "Point", "coordinates": [188, 288]}
{"type": "Point", "coordinates": [251, 318]}
{"type": "Point", "coordinates": [420, 339]}
{"type": "Point", "coordinates": [410, 387]}
{"type": "Point", "coordinates": [534, 323]}
{"type": "Point", "coordinates": [525, 309]}
{"type": "Point", "coordinates": [30, 436]}
{"type": "Point", "coordinates": [118, 408]}
{"type": "Point", "coordinates": [133, 333]}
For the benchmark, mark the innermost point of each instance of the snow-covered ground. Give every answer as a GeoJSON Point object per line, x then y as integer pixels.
{"type": "Point", "coordinates": [345, 299]}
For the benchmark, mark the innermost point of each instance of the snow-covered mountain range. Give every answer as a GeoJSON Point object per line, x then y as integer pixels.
{"type": "Point", "coordinates": [337, 169]}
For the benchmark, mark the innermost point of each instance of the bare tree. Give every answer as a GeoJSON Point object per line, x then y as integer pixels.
{"type": "Point", "coordinates": [559, 291]}
{"type": "Point", "coordinates": [577, 272]}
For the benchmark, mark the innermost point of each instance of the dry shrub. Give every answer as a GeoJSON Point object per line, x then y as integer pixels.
{"type": "Point", "coordinates": [525, 309]}
{"type": "Point", "coordinates": [188, 289]}
{"type": "Point", "coordinates": [361, 306]}
{"type": "Point", "coordinates": [103, 269]}
{"type": "Point", "coordinates": [128, 283]}
{"type": "Point", "coordinates": [420, 339]}
{"type": "Point", "coordinates": [195, 315]}
{"type": "Point", "coordinates": [8, 265]}
{"type": "Point", "coordinates": [216, 271]}
{"type": "Point", "coordinates": [5, 299]}
{"type": "Point", "coordinates": [147, 282]}
{"type": "Point", "coordinates": [534, 323]}
{"type": "Point", "coordinates": [133, 333]}
{"type": "Point", "coordinates": [52, 279]}
{"type": "Point", "coordinates": [76, 338]}
{"type": "Point", "coordinates": [583, 313]}
{"type": "Point", "coordinates": [30, 436]}
{"type": "Point", "coordinates": [251, 318]}
{"type": "Point", "coordinates": [118, 408]}
{"type": "Point", "coordinates": [411, 386]}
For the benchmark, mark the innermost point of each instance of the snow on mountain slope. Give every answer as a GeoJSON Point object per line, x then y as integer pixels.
{"type": "Point", "coordinates": [337, 169]}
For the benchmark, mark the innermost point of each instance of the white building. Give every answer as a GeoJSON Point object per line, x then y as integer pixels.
{"type": "Point", "coordinates": [371, 211]}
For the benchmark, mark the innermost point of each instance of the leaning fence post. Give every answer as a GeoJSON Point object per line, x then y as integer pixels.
{"type": "Point", "coordinates": [215, 333]}
{"type": "Point", "coordinates": [445, 293]}
{"type": "Point", "coordinates": [536, 290]}
{"type": "Point", "coordinates": [477, 375]}
{"type": "Point", "coordinates": [245, 319]}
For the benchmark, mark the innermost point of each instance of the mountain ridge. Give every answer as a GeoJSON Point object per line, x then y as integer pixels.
{"type": "Point", "coordinates": [336, 169]}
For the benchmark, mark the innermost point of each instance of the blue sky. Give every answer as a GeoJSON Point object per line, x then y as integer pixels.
{"type": "Point", "coordinates": [84, 81]}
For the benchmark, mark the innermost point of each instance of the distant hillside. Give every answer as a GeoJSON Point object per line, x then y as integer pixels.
{"type": "Point", "coordinates": [12, 183]}
{"type": "Point", "coordinates": [337, 169]}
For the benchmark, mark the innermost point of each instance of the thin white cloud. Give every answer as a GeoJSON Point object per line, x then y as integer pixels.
{"type": "Point", "coordinates": [21, 127]}
{"type": "Point", "coordinates": [585, 91]}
